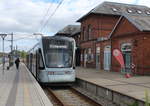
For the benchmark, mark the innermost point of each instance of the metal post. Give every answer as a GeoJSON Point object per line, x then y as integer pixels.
{"type": "Point", "coordinates": [11, 42]}
{"type": "Point", "coordinates": [16, 51]}
{"type": "Point", "coordinates": [3, 55]}
{"type": "Point", "coordinates": [12, 49]}
{"type": "Point", "coordinates": [3, 37]}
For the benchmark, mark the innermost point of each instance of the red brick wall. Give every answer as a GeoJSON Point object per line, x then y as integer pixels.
{"type": "Point", "coordinates": [101, 25]}
{"type": "Point", "coordinates": [140, 52]}
{"type": "Point", "coordinates": [127, 33]}
{"type": "Point", "coordinates": [125, 27]}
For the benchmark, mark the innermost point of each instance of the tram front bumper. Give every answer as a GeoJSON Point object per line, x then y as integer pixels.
{"type": "Point", "coordinates": [45, 78]}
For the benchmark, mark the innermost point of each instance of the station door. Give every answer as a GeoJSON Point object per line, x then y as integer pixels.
{"type": "Point", "coordinates": [126, 51]}
{"type": "Point", "coordinates": [127, 60]}
{"type": "Point", "coordinates": [107, 58]}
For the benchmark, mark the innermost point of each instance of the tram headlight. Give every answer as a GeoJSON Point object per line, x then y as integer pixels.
{"type": "Point", "coordinates": [51, 73]}
{"type": "Point", "coordinates": [68, 72]}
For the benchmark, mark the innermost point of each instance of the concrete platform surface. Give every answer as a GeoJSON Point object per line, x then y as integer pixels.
{"type": "Point", "coordinates": [135, 86]}
{"type": "Point", "coordinates": [19, 88]}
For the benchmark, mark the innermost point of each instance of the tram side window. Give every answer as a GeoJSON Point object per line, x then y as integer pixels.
{"type": "Point", "coordinates": [41, 61]}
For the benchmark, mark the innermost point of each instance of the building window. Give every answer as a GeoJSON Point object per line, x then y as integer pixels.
{"type": "Point", "coordinates": [114, 9]}
{"type": "Point", "coordinates": [89, 50]}
{"type": "Point", "coordinates": [90, 56]}
{"type": "Point", "coordinates": [129, 11]}
{"type": "Point", "coordinates": [85, 55]}
{"type": "Point", "coordinates": [98, 50]}
{"type": "Point", "coordinates": [126, 47]}
{"type": "Point", "coordinates": [139, 11]}
{"type": "Point", "coordinates": [83, 33]}
{"type": "Point", "coordinates": [89, 30]}
{"type": "Point", "coordinates": [148, 12]}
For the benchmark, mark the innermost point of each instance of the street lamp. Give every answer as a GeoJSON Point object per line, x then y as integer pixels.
{"type": "Point", "coordinates": [3, 37]}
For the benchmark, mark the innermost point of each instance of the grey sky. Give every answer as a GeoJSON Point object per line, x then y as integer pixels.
{"type": "Point", "coordinates": [24, 17]}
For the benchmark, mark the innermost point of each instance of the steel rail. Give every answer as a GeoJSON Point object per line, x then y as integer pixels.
{"type": "Point", "coordinates": [64, 97]}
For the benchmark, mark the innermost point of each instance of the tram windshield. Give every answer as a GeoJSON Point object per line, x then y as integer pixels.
{"type": "Point", "coordinates": [59, 58]}
{"type": "Point", "coordinates": [58, 53]}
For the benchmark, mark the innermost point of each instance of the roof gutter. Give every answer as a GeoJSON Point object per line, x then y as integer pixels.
{"type": "Point", "coordinates": [80, 19]}
{"type": "Point", "coordinates": [83, 17]}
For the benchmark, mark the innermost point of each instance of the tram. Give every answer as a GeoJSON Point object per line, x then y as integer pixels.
{"type": "Point", "coordinates": [51, 60]}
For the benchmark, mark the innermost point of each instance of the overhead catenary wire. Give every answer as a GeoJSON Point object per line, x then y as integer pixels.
{"type": "Point", "coordinates": [25, 37]}
{"type": "Point", "coordinates": [20, 39]}
{"type": "Point", "coordinates": [46, 22]}
{"type": "Point", "coordinates": [46, 14]}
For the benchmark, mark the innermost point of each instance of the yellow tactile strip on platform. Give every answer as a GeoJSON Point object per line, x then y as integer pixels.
{"type": "Point", "coordinates": [27, 99]}
{"type": "Point", "coordinates": [37, 91]}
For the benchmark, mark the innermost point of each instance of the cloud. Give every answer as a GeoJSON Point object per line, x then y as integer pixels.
{"type": "Point", "coordinates": [21, 15]}
{"type": "Point", "coordinates": [24, 16]}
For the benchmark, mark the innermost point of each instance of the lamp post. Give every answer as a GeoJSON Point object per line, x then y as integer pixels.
{"type": "Point", "coordinates": [3, 59]}
{"type": "Point", "coordinates": [11, 53]}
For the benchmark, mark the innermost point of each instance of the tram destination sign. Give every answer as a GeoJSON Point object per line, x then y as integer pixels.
{"type": "Point", "coordinates": [58, 46]}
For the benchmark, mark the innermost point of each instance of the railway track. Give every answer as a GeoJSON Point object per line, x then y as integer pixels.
{"type": "Point", "coordinates": [68, 97]}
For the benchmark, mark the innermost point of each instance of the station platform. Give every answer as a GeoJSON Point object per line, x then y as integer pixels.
{"type": "Point", "coordinates": [134, 87]}
{"type": "Point", "coordinates": [19, 88]}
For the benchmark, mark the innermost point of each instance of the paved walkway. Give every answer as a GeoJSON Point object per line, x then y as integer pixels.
{"type": "Point", "coordinates": [134, 86]}
{"type": "Point", "coordinates": [19, 88]}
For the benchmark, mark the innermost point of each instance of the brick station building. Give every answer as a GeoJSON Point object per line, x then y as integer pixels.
{"type": "Point", "coordinates": [112, 26]}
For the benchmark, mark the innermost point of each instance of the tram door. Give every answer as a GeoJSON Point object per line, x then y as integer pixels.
{"type": "Point", "coordinates": [31, 62]}
{"type": "Point", "coordinates": [37, 64]}
{"type": "Point", "coordinates": [107, 58]}
{"type": "Point", "coordinates": [126, 50]}
{"type": "Point", "coordinates": [98, 58]}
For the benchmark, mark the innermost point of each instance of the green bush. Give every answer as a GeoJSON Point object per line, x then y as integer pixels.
{"type": "Point", "coordinates": [134, 104]}
{"type": "Point", "coordinates": [147, 102]}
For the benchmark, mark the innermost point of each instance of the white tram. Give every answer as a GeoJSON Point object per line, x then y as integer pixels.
{"type": "Point", "coordinates": [52, 60]}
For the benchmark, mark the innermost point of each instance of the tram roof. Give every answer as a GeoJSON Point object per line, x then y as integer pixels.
{"type": "Point", "coordinates": [58, 38]}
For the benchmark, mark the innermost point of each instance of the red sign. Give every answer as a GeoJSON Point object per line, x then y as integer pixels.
{"type": "Point", "coordinates": [118, 55]}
